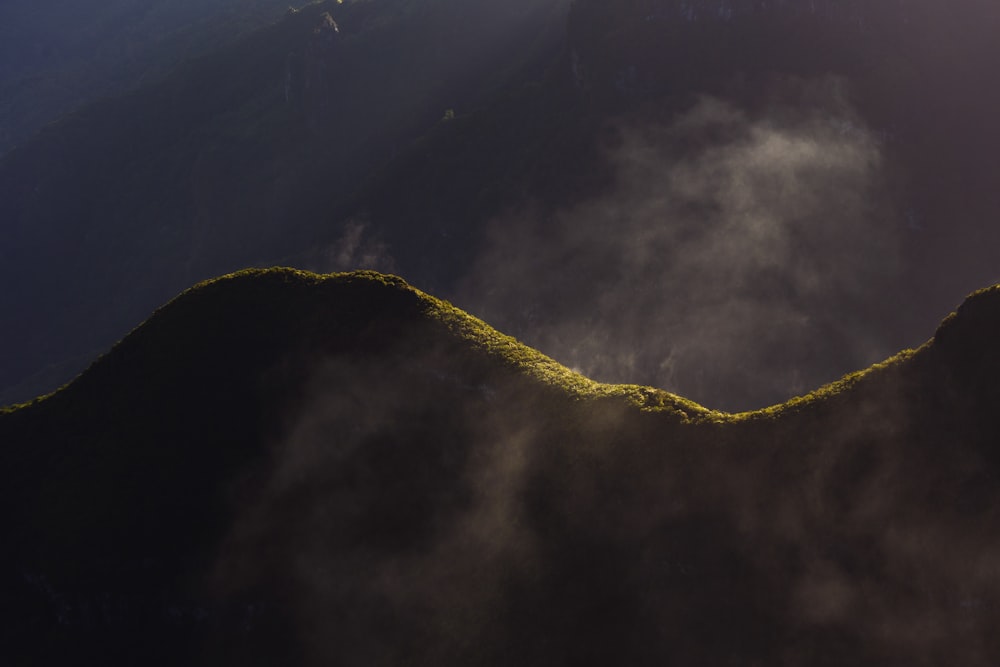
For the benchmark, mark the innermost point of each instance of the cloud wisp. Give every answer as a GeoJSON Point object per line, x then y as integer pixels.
{"type": "Point", "coordinates": [736, 259]}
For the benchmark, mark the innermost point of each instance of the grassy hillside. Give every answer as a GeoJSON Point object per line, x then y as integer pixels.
{"type": "Point", "coordinates": [282, 467]}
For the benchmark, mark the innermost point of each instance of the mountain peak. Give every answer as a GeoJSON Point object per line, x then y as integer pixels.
{"type": "Point", "coordinates": [978, 316]}
{"type": "Point", "coordinates": [966, 342]}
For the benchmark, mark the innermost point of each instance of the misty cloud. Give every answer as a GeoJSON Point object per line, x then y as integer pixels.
{"type": "Point", "coordinates": [419, 501]}
{"type": "Point", "coordinates": [356, 248]}
{"type": "Point", "coordinates": [382, 509]}
{"type": "Point", "coordinates": [735, 261]}
{"type": "Point", "coordinates": [410, 516]}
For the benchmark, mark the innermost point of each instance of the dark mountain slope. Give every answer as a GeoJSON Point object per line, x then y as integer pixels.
{"type": "Point", "coordinates": [57, 56]}
{"type": "Point", "coordinates": [649, 95]}
{"type": "Point", "coordinates": [233, 159]}
{"type": "Point", "coordinates": [280, 467]}
{"type": "Point", "coordinates": [566, 148]}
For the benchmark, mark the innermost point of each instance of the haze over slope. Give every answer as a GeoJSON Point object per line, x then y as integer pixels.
{"type": "Point", "coordinates": [279, 467]}
{"type": "Point", "coordinates": [233, 159]}
{"type": "Point", "coordinates": [754, 198]}
{"type": "Point", "coordinates": [58, 55]}
{"type": "Point", "coordinates": [730, 200]}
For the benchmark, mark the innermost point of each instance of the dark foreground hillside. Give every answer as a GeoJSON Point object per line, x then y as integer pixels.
{"type": "Point", "coordinates": [286, 468]}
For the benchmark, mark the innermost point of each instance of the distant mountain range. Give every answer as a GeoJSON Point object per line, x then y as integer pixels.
{"type": "Point", "coordinates": [576, 174]}
{"type": "Point", "coordinates": [281, 467]}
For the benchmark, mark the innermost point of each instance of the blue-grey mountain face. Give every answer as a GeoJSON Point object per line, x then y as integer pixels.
{"type": "Point", "coordinates": [241, 157]}
{"type": "Point", "coordinates": [56, 56]}
{"type": "Point", "coordinates": [735, 201]}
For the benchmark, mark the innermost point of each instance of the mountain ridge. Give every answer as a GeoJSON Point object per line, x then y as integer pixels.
{"type": "Point", "coordinates": [479, 334]}
{"type": "Point", "coordinates": [463, 326]}
{"type": "Point", "coordinates": [978, 311]}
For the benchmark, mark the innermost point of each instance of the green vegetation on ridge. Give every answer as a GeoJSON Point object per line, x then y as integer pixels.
{"type": "Point", "coordinates": [497, 346]}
